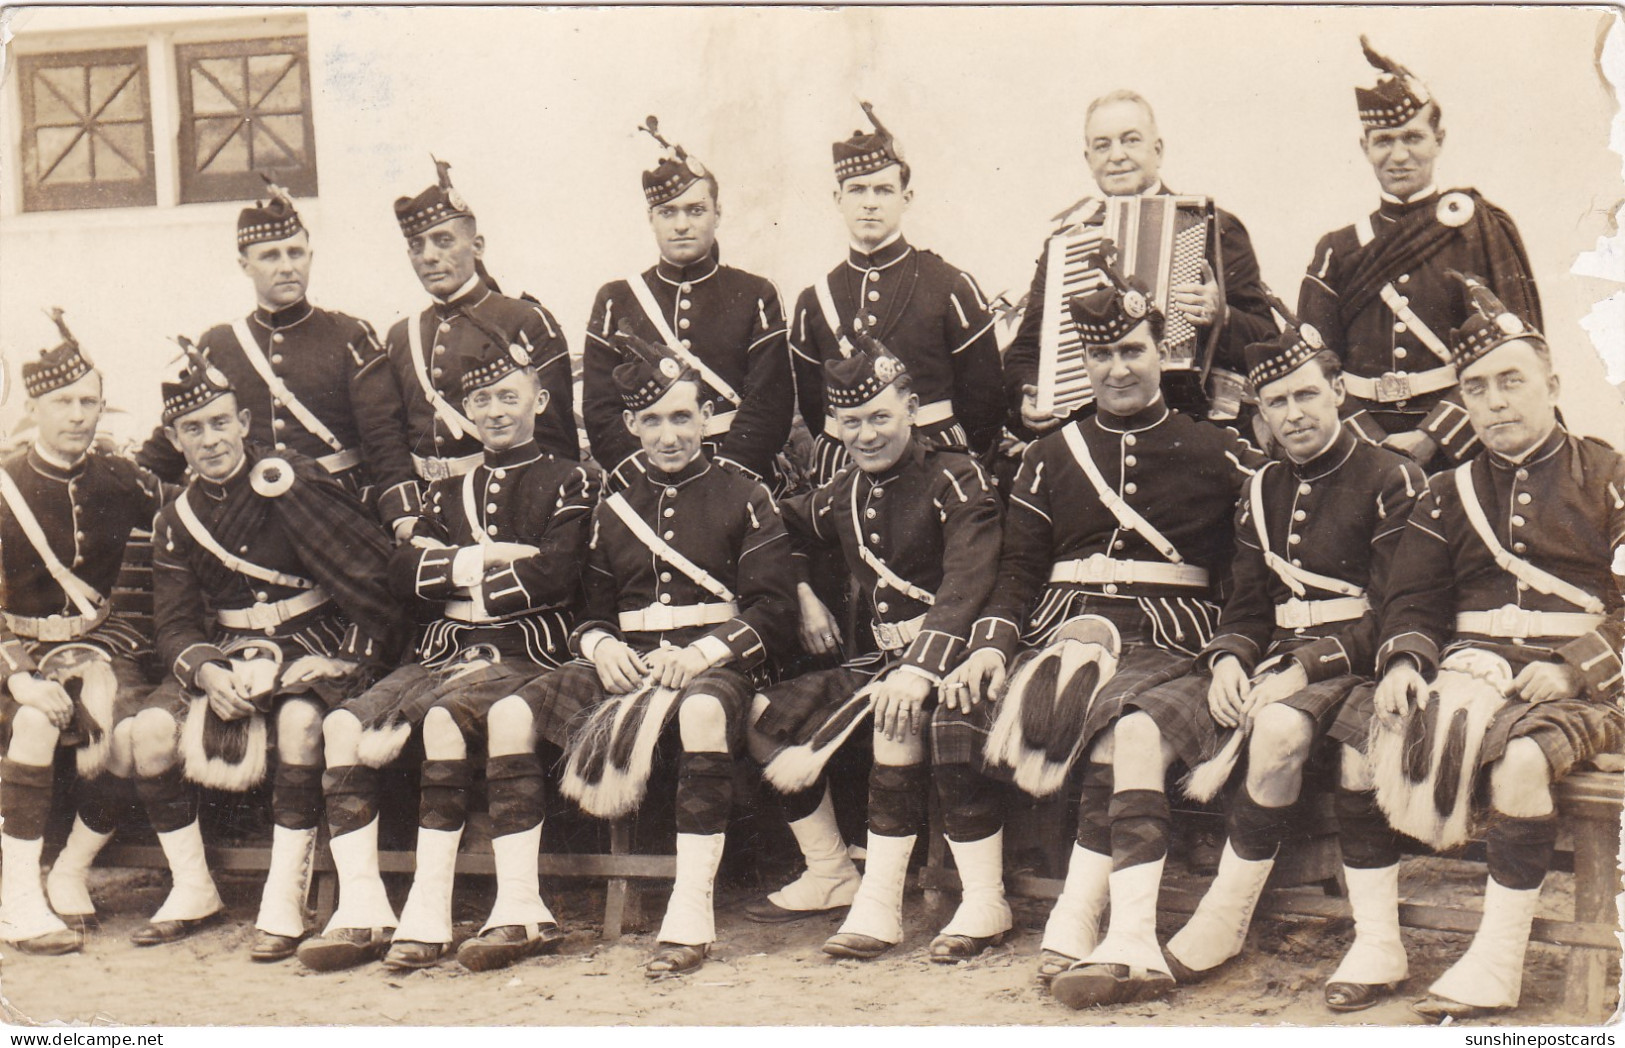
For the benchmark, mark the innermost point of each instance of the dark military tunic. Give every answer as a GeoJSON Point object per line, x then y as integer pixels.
{"type": "Point", "coordinates": [1408, 247]}
{"type": "Point", "coordinates": [933, 520]}
{"type": "Point", "coordinates": [87, 512]}
{"type": "Point", "coordinates": [734, 323]}
{"type": "Point", "coordinates": [1563, 510]}
{"type": "Point", "coordinates": [1250, 319]}
{"type": "Point", "coordinates": [333, 365]}
{"type": "Point", "coordinates": [314, 531]}
{"type": "Point", "coordinates": [723, 522]}
{"type": "Point", "coordinates": [932, 317]}
{"type": "Point", "coordinates": [515, 621]}
{"type": "Point", "coordinates": [448, 333]}
{"type": "Point", "coordinates": [1340, 515]}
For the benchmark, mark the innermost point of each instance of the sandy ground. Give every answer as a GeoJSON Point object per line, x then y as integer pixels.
{"type": "Point", "coordinates": [758, 975]}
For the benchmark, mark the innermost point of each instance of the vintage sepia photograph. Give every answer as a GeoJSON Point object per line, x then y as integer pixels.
{"type": "Point", "coordinates": [741, 516]}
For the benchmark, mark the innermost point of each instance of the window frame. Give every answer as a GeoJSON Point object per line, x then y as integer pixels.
{"type": "Point", "coordinates": [38, 197]}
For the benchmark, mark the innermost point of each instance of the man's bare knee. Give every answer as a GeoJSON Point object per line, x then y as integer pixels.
{"type": "Point", "coordinates": [152, 742]}
{"type": "Point", "coordinates": [1354, 771]}
{"type": "Point", "coordinates": [703, 724]}
{"type": "Point", "coordinates": [33, 737]}
{"type": "Point", "coordinates": [442, 739]}
{"type": "Point", "coordinates": [1280, 741]}
{"type": "Point", "coordinates": [299, 732]}
{"type": "Point", "coordinates": [1520, 782]}
{"type": "Point", "coordinates": [510, 727]}
{"type": "Point", "coordinates": [341, 738]}
{"type": "Point", "coordinates": [899, 753]}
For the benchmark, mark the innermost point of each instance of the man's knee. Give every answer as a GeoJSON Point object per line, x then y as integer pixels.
{"type": "Point", "coordinates": [1280, 741]}
{"type": "Point", "coordinates": [32, 731]}
{"type": "Point", "coordinates": [152, 741]}
{"type": "Point", "coordinates": [1520, 782]}
{"type": "Point", "coordinates": [900, 752]}
{"type": "Point", "coordinates": [341, 737]}
{"type": "Point", "coordinates": [442, 739]}
{"type": "Point", "coordinates": [703, 722]}
{"type": "Point", "coordinates": [510, 725]}
{"type": "Point", "coordinates": [299, 731]}
{"type": "Point", "coordinates": [1137, 738]}
{"type": "Point", "coordinates": [1354, 771]}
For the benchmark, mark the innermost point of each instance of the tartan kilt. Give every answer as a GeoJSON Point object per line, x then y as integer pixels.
{"type": "Point", "coordinates": [1181, 711]}
{"type": "Point", "coordinates": [563, 700]}
{"type": "Point", "coordinates": [797, 708]}
{"type": "Point", "coordinates": [135, 694]}
{"type": "Point", "coordinates": [407, 694]}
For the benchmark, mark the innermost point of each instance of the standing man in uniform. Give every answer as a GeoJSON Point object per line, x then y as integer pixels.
{"type": "Point", "coordinates": [499, 553]}
{"type": "Point", "coordinates": [271, 605]}
{"type": "Point", "coordinates": [1124, 152]}
{"type": "Point", "coordinates": [66, 514]}
{"type": "Point", "coordinates": [723, 323]}
{"type": "Point", "coordinates": [919, 527]}
{"type": "Point", "coordinates": [1315, 541]}
{"type": "Point", "coordinates": [1377, 290]}
{"type": "Point", "coordinates": [1124, 515]}
{"type": "Point", "coordinates": [312, 380]}
{"type": "Point", "coordinates": [689, 589]}
{"type": "Point", "coordinates": [467, 317]}
{"type": "Point", "coordinates": [1515, 555]}
{"type": "Point", "coordinates": [931, 315]}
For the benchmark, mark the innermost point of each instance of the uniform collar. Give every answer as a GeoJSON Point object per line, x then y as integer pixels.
{"type": "Point", "coordinates": [1392, 205]}
{"type": "Point", "coordinates": [1539, 453]}
{"type": "Point", "coordinates": [470, 294]}
{"type": "Point", "coordinates": [692, 273]}
{"type": "Point", "coordinates": [912, 457]}
{"type": "Point", "coordinates": [518, 455]}
{"type": "Point", "coordinates": [887, 254]}
{"type": "Point", "coordinates": [218, 490]}
{"type": "Point", "coordinates": [1330, 459]}
{"type": "Point", "coordinates": [697, 466]}
{"type": "Point", "coordinates": [48, 465]}
{"type": "Point", "coordinates": [1153, 414]}
{"type": "Point", "coordinates": [285, 317]}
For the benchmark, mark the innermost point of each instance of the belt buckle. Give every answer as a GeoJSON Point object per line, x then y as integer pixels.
{"type": "Point", "coordinates": [887, 636]}
{"type": "Point", "coordinates": [55, 629]}
{"type": "Point", "coordinates": [1295, 615]}
{"type": "Point", "coordinates": [263, 616]}
{"type": "Point", "coordinates": [1098, 568]}
{"type": "Point", "coordinates": [436, 469]}
{"type": "Point", "coordinates": [1393, 386]}
{"type": "Point", "coordinates": [658, 618]}
{"type": "Point", "coordinates": [1509, 621]}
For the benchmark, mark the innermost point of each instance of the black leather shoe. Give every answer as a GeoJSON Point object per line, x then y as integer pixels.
{"type": "Point", "coordinates": [950, 949]}
{"type": "Point", "coordinates": [52, 944]}
{"type": "Point", "coordinates": [1436, 1009]}
{"type": "Point", "coordinates": [858, 947]}
{"type": "Point", "coordinates": [161, 933]}
{"type": "Point", "coordinates": [501, 946]}
{"type": "Point", "coordinates": [1356, 997]}
{"type": "Point", "coordinates": [765, 911]}
{"type": "Point", "coordinates": [675, 959]}
{"type": "Point", "coordinates": [1092, 985]}
{"type": "Point", "coordinates": [406, 956]}
{"type": "Point", "coordinates": [270, 947]}
{"type": "Point", "coordinates": [344, 948]}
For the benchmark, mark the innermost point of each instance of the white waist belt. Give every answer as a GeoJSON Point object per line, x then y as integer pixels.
{"type": "Point", "coordinates": [56, 628]}
{"type": "Point", "coordinates": [658, 618]}
{"type": "Point", "coordinates": [1512, 621]}
{"type": "Point", "coordinates": [339, 461]}
{"type": "Point", "coordinates": [929, 415]}
{"type": "Point", "coordinates": [463, 611]}
{"type": "Point", "coordinates": [719, 424]}
{"type": "Point", "coordinates": [895, 636]}
{"type": "Point", "coordinates": [1298, 614]}
{"type": "Point", "coordinates": [442, 468]}
{"type": "Point", "coordinates": [269, 616]}
{"type": "Point", "coordinates": [1400, 385]}
{"type": "Point", "coordinates": [1100, 568]}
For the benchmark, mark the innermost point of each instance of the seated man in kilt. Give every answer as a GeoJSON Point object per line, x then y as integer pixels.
{"type": "Point", "coordinates": [1117, 532]}
{"type": "Point", "coordinates": [919, 526]}
{"type": "Point", "coordinates": [271, 606]}
{"type": "Point", "coordinates": [1506, 605]}
{"type": "Point", "coordinates": [689, 588]}
{"type": "Point", "coordinates": [1315, 540]}
{"type": "Point", "coordinates": [498, 554]}
{"type": "Point", "coordinates": [68, 664]}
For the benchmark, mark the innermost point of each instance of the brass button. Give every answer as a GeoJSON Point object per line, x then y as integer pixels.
{"type": "Point", "coordinates": [1300, 515]}
{"type": "Point", "coordinates": [882, 607]}
{"type": "Point", "coordinates": [1296, 563]}
{"type": "Point", "coordinates": [1130, 488]}
{"type": "Point", "coordinates": [671, 493]}
{"type": "Point", "coordinates": [1293, 540]}
{"type": "Point", "coordinates": [1399, 352]}
{"type": "Point", "coordinates": [445, 326]}
{"type": "Point", "coordinates": [668, 536]}
{"type": "Point", "coordinates": [682, 303]}
{"type": "Point", "coordinates": [1130, 439]}
{"type": "Point", "coordinates": [1524, 498]}
{"type": "Point", "coordinates": [665, 576]}
{"type": "Point", "coordinates": [687, 344]}
{"type": "Point", "coordinates": [281, 446]}
{"type": "Point", "coordinates": [277, 423]}
{"type": "Point", "coordinates": [667, 512]}
{"type": "Point", "coordinates": [276, 358]}
{"type": "Point", "coordinates": [1520, 547]}
{"type": "Point", "coordinates": [1131, 461]}
{"type": "Point", "coordinates": [1517, 521]}
{"type": "Point", "coordinates": [869, 513]}
{"type": "Point", "coordinates": [685, 287]}
{"type": "Point", "coordinates": [874, 296]}
{"type": "Point", "coordinates": [492, 488]}
{"type": "Point", "coordinates": [261, 596]}
{"type": "Point", "coordinates": [871, 318]}
{"type": "Point", "coordinates": [665, 598]}
{"type": "Point", "coordinates": [490, 507]}
{"type": "Point", "coordinates": [1117, 544]}
{"type": "Point", "coordinates": [1522, 474]}
{"type": "Point", "coordinates": [1111, 587]}
{"type": "Point", "coordinates": [874, 274]}
{"type": "Point", "coordinates": [276, 336]}
{"type": "Point", "coordinates": [874, 536]}
{"type": "Point", "coordinates": [1304, 489]}
{"type": "Point", "coordinates": [683, 323]}
{"type": "Point", "coordinates": [1404, 278]}
{"type": "Point", "coordinates": [439, 349]}
{"type": "Point", "coordinates": [500, 474]}
{"type": "Point", "coordinates": [490, 529]}
{"type": "Point", "coordinates": [1400, 328]}
{"type": "Point", "coordinates": [438, 372]}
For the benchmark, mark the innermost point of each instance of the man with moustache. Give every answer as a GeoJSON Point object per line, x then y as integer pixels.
{"type": "Point", "coordinates": [1515, 555]}
{"type": "Point", "coordinates": [1124, 153]}
{"type": "Point", "coordinates": [723, 323]}
{"type": "Point", "coordinates": [929, 314]}
{"type": "Point", "coordinates": [312, 379]}
{"type": "Point", "coordinates": [467, 317]}
{"type": "Point", "coordinates": [1377, 289]}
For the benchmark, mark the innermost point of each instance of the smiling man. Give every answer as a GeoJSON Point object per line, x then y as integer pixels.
{"type": "Point", "coordinates": [1123, 518]}
{"type": "Point", "coordinates": [689, 590]}
{"type": "Point", "coordinates": [919, 529]}
{"type": "Point", "coordinates": [313, 380]}
{"type": "Point", "coordinates": [931, 315]}
{"type": "Point", "coordinates": [270, 607]}
{"type": "Point", "coordinates": [725, 324]}
{"type": "Point", "coordinates": [467, 317]}
{"type": "Point", "coordinates": [1377, 289]}
{"type": "Point", "coordinates": [1514, 557]}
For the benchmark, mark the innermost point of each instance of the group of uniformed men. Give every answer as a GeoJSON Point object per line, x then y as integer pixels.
{"type": "Point", "coordinates": [1161, 590]}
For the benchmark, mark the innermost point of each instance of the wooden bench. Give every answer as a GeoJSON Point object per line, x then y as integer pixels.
{"type": "Point", "coordinates": [1305, 884]}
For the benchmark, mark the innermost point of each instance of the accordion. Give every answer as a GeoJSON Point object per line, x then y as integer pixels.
{"type": "Point", "coordinates": [1162, 241]}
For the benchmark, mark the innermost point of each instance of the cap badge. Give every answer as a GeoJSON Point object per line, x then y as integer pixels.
{"type": "Point", "coordinates": [885, 369]}
{"type": "Point", "coordinates": [1135, 305]}
{"type": "Point", "coordinates": [670, 368]}
{"type": "Point", "coordinates": [1311, 337]}
{"type": "Point", "coordinates": [695, 168]}
{"type": "Point", "coordinates": [1509, 324]}
{"type": "Point", "coordinates": [216, 378]}
{"type": "Point", "coordinates": [271, 477]}
{"type": "Point", "coordinates": [455, 199]}
{"type": "Point", "coordinates": [1455, 209]}
{"type": "Point", "coordinates": [519, 354]}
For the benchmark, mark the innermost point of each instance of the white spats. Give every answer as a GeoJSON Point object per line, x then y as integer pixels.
{"type": "Point", "coordinates": [690, 919]}
{"type": "Point", "coordinates": [65, 884]}
{"type": "Point", "coordinates": [362, 902]}
{"type": "Point", "coordinates": [519, 889]}
{"type": "Point", "coordinates": [1490, 973]}
{"type": "Point", "coordinates": [830, 880]}
{"type": "Point", "coordinates": [1217, 930]}
{"type": "Point", "coordinates": [282, 905]}
{"type": "Point", "coordinates": [1073, 928]}
{"type": "Point", "coordinates": [983, 911]}
{"type": "Point", "coordinates": [877, 910]}
{"type": "Point", "coordinates": [1131, 938]}
{"type": "Point", "coordinates": [426, 917]}
{"type": "Point", "coordinates": [192, 894]}
{"type": "Point", "coordinates": [1377, 956]}
{"type": "Point", "coordinates": [24, 913]}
